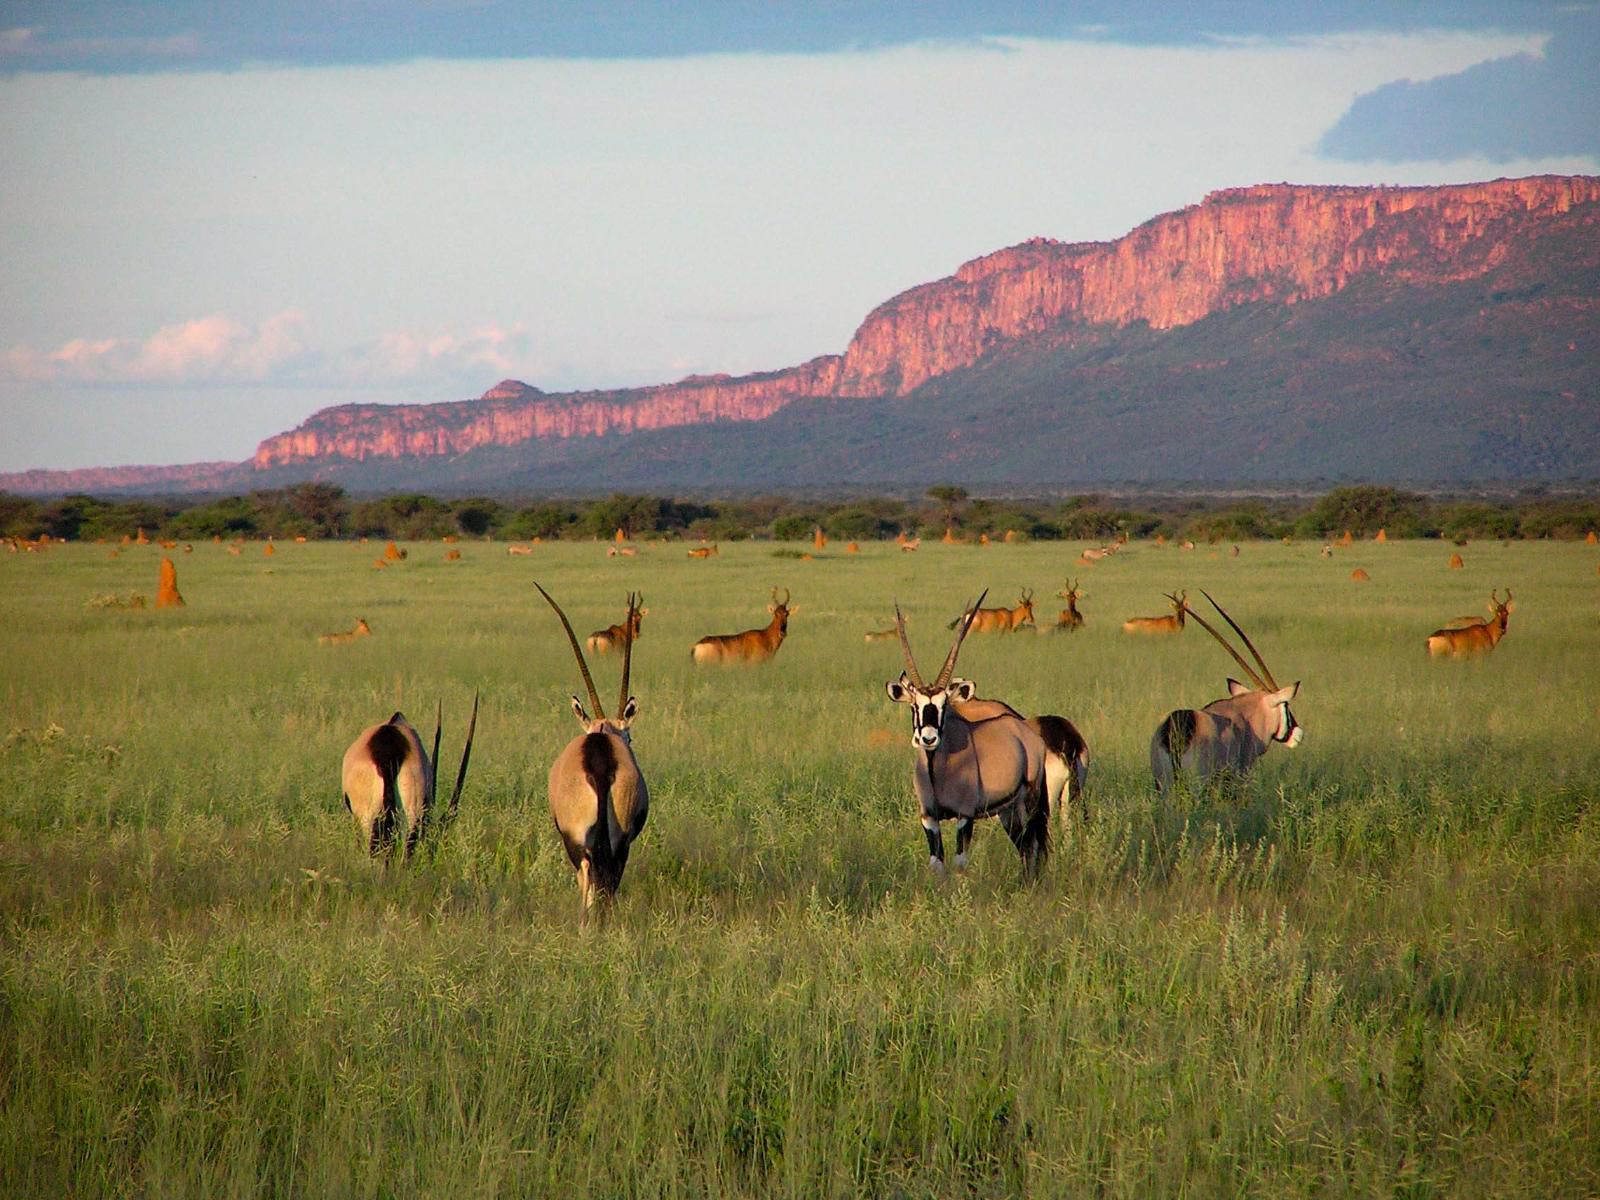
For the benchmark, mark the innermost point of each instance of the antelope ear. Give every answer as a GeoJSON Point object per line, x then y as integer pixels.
{"type": "Point", "coordinates": [1284, 695]}
{"type": "Point", "coordinates": [898, 690]}
{"type": "Point", "coordinates": [1235, 688]}
{"type": "Point", "coordinates": [577, 710]}
{"type": "Point", "coordinates": [962, 690]}
{"type": "Point", "coordinates": [628, 711]}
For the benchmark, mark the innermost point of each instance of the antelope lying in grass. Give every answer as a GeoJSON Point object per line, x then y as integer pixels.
{"type": "Point", "coordinates": [387, 772]}
{"type": "Point", "coordinates": [361, 630]}
{"type": "Point", "coordinates": [1070, 620]}
{"type": "Point", "coordinates": [981, 758]}
{"type": "Point", "coordinates": [1161, 625]}
{"type": "Point", "coordinates": [516, 551]}
{"type": "Point", "coordinates": [999, 620]}
{"type": "Point", "coordinates": [603, 641]}
{"type": "Point", "coordinates": [753, 645]}
{"type": "Point", "coordinates": [1480, 637]}
{"type": "Point", "coordinates": [598, 796]}
{"type": "Point", "coordinates": [1227, 734]}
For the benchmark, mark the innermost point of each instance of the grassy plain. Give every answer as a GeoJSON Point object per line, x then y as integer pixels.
{"type": "Point", "coordinates": [1377, 970]}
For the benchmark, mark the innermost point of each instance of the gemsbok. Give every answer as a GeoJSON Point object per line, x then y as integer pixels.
{"type": "Point", "coordinates": [603, 641]}
{"type": "Point", "coordinates": [598, 797]}
{"type": "Point", "coordinates": [1478, 638]}
{"type": "Point", "coordinates": [1161, 625]}
{"type": "Point", "coordinates": [1000, 620]}
{"type": "Point", "coordinates": [361, 630]}
{"type": "Point", "coordinates": [1070, 620]}
{"type": "Point", "coordinates": [387, 772]}
{"type": "Point", "coordinates": [1227, 735]}
{"type": "Point", "coordinates": [976, 758]}
{"type": "Point", "coordinates": [753, 645]}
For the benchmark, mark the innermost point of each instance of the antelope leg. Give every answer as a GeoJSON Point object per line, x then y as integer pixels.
{"type": "Point", "coordinates": [963, 840]}
{"type": "Point", "coordinates": [930, 826]}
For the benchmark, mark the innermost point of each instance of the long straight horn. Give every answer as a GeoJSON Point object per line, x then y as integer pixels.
{"type": "Point", "coordinates": [583, 667]}
{"type": "Point", "coordinates": [438, 727]}
{"type": "Point", "coordinates": [949, 668]}
{"type": "Point", "coordinates": [627, 652]}
{"type": "Point", "coordinates": [466, 754]}
{"type": "Point", "coordinates": [1254, 653]}
{"type": "Point", "coordinates": [905, 644]}
{"type": "Point", "coordinates": [1237, 657]}
{"type": "Point", "coordinates": [1264, 677]}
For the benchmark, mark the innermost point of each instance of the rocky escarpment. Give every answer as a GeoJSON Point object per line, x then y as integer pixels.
{"type": "Point", "coordinates": [1272, 244]}
{"type": "Point", "coordinates": [1275, 243]}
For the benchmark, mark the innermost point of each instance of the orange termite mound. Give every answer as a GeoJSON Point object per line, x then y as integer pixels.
{"type": "Point", "coordinates": [949, 538]}
{"type": "Point", "coordinates": [168, 596]}
{"type": "Point", "coordinates": [141, 539]}
{"type": "Point", "coordinates": [1383, 536]}
{"type": "Point", "coordinates": [1347, 540]}
{"type": "Point", "coordinates": [269, 550]}
{"type": "Point", "coordinates": [1592, 540]}
{"type": "Point", "coordinates": [1360, 576]}
{"type": "Point", "coordinates": [818, 538]}
{"type": "Point", "coordinates": [393, 553]}
{"type": "Point", "coordinates": [1455, 562]}
{"type": "Point", "coordinates": [453, 556]}
{"type": "Point", "coordinates": [852, 548]}
{"type": "Point", "coordinates": [379, 565]}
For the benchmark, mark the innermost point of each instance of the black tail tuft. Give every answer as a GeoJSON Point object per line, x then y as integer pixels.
{"type": "Point", "coordinates": [389, 748]}
{"type": "Point", "coordinates": [1177, 731]}
{"type": "Point", "coordinates": [600, 768]}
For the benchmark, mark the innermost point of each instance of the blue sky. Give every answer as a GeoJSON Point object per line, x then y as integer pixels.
{"type": "Point", "coordinates": [217, 218]}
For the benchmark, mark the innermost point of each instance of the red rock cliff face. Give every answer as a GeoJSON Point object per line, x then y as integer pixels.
{"type": "Point", "coordinates": [512, 412]}
{"type": "Point", "coordinates": [1275, 242]}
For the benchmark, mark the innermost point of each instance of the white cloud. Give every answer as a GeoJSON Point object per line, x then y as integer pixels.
{"type": "Point", "coordinates": [217, 349]}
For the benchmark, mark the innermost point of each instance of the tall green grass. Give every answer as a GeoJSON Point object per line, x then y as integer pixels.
{"type": "Point", "coordinates": [1376, 968]}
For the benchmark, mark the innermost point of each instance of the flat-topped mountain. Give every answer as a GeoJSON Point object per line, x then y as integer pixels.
{"type": "Point", "coordinates": [1270, 332]}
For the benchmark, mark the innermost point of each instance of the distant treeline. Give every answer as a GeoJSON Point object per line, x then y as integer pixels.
{"type": "Point", "coordinates": [323, 510]}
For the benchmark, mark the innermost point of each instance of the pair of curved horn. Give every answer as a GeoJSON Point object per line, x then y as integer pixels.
{"type": "Point", "coordinates": [784, 603]}
{"type": "Point", "coordinates": [583, 667]}
{"type": "Point", "coordinates": [949, 667]}
{"type": "Point", "coordinates": [466, 755]}
{"type": "Point", "coordinates": [1263, 679]}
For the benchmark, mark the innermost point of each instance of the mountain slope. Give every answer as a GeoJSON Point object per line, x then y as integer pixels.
{"type": "Point", "coordinates": [1273, 332]}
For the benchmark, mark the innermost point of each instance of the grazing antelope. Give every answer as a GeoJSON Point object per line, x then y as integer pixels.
{"type": "Point", "coordinates": [1227, 734]}
{"type": "Point", "coordinates": [1070, 619]}
{"type": "Point", "coordinates": [386, 772]}
{"type": "Point", "coordinates": [911, 545]}
{"type": "Point", "coordinates": [881, 635]}
{"type": "Point", "coordinates": [516, 551]}
{"type": "Point", "coordinates": [1477, 638]}
{"type": "Point", "coordinates": [703, 551]}
{"type": "Point", "coordinates": [361, 630]}
{"type": "Point", "coordinates": [1000, 620]}
{"type": "Point", "coordinates": [753, 645]}
{"type": "Point", "coordinates": [598, 797]}
{"type": "Point", "coordinates": [603, 641]}
{"type": "Point", "coordinates": [1161, 625]}
{"type": "Point", "coordinates": [977, 758]}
